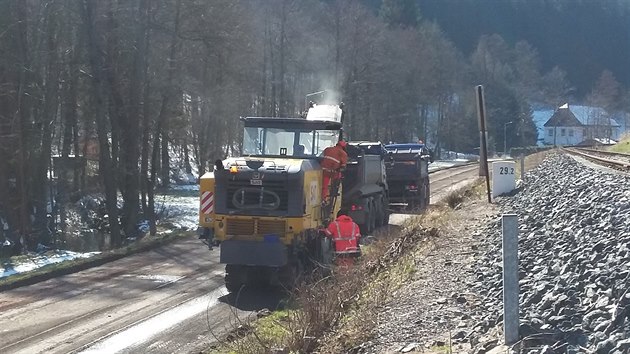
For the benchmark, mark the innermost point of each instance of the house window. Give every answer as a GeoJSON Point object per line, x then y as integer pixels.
{"type": "Point", "coordinates": [563, 132]}
{"type": "Point", "coordinates": [550, 132]}
{"type": "Point", "coordinates": [570, 132]}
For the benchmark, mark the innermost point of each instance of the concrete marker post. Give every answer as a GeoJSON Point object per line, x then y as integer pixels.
{"type": "Point", "coordinates": [503, 177]}
{"type": "Point", "coordinates": [523, 168]}
{"type": "Point", "coordinates": [510, 278]}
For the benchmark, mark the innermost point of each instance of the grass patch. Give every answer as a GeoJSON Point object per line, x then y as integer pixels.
{"type": "Point", "coordinates": [66, 267]}
{"type": "Point", "coordinates": [622, 146]}
{"type": "Point", "coordinates": [457, 197]}
{"type": "Point", "coordinates": [441, 349]}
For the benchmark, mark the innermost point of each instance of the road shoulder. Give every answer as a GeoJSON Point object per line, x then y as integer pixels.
{"type": "Point", "coordinates": [77, 265]}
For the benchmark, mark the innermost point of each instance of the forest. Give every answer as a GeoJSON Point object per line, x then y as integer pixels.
{"type": "Point", "coordinates": [127, 84]}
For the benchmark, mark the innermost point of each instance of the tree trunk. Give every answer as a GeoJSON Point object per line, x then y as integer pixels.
{"type": "Point", "coordinates": [166, 165]}
{"type": "Point", "coordinates": [48, 115]}
{"type": "Point", "coordinates": [281, 99]}
{"type": "Point", "coordinates": [130, 122]}
{"type": "Point", "coordinates": [22, 117]}
{"type": "Point", "coordinates": [187, 158]}
{"type": "Point", "coordinates": [144, 160]}
{"type": "Point", "coordinates": [161, 119]}
{"type": "Point", "coordinates": [106, 170]}
{"type": "Point", "coordinates": [146, 127]}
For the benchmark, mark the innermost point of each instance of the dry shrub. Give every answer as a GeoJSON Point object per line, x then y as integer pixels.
{"type": "Point", "coordinates": [457, 197]}
{"type": "Point", "coordinates": [321, 302]}
{"type": "Point", "coordinates": [323, 305]}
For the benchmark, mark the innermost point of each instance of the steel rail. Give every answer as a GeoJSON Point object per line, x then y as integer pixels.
{"type": "Point", "coordinates": [588, 154]}
{"type": "Point", "coordinates": [605, 152]}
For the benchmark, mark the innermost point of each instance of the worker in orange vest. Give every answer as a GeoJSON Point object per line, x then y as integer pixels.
{"type": "Point", "coordinates": [345, 234]}
{"type": "Point", "coordinates": [334, 159]}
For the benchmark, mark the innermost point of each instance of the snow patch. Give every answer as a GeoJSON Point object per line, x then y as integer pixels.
{"type": "Point", "coordinates": [185, 187]}
{"type": "Point", "coordinates": [37, 261]}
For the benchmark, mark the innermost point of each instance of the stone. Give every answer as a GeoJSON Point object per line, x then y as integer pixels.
{"type": "Point", "coordinates": [572, 252]}
{"type": "Point", "coordinates": [409, 347]}
{"type": "Point", "coordinates": [438, 343]}
{"type": "Point", "coordinates": [605, 346]}
{"type": "Point", "coordinates": [460, 335]}
{"type": "Point", "coordinates": [623, 345]}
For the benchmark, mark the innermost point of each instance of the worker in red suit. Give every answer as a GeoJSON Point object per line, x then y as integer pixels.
{"type": "Point", "coordinates": [345, 235]}
{"type": "Point", "coordinates": [333, 161]}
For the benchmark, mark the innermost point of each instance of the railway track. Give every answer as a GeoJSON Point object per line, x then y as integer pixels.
{"type": "Point", "coordinates": [614, 160]}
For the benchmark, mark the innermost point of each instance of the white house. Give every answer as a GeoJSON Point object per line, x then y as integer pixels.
{"type": "Point", "coordinates": [575, 124]}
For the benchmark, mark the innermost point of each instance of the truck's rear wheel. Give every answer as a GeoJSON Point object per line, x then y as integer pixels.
{"type": "Point", "coordinates": [380, 212]}
{"type": "Point", "coordinates": [413, 204]}
{"type": "Point", "coordinates": [427, 193]}
{"type": "Point", "coordinates": [373, 216]}
{"type": "Point", "coordinates": [386, 219]}
{"type": "Point", "coordinates": [368, 225]}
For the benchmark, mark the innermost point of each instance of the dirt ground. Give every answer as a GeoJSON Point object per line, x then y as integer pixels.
{"type": "Point", "coordinates": [435, 308]}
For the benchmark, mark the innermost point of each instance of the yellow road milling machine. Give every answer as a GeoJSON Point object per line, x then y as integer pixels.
{"type": "Point", "coordinates": [264, 209]}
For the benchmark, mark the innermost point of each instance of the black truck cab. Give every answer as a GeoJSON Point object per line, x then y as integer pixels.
{"type": "Point", "coordinates": [408, 174]}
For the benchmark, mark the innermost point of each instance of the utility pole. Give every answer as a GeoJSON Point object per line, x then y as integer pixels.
{"type": "Point", "coordinates": [483, 151]}
{"type": "Point", "coordinates": [505, 137]}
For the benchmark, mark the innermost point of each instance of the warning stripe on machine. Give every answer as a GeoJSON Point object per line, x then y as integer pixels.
{"type": "Point", "coordinates": [207, 202]}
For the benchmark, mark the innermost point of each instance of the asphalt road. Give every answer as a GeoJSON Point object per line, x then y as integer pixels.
{"type": "Point", "coordinates": [168, 300]}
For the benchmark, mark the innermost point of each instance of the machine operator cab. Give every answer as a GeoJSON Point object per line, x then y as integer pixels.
{"type": "Point", "coordinates": [302, 138]}
{"type": "Point", "coordinates": [278, 173]}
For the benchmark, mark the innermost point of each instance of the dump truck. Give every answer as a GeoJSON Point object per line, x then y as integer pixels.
{"type": "Point", "coordinates": [264, 209]}
{"type": "Point", "coordinates": [365, 188]}
{"type": "Point", "coordinates": [408, 175]}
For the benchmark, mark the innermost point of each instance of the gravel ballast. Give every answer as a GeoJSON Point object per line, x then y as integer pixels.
{"type": "Point", "coordinates": [574, 260]}
{"type": "Point", "coordinates": [574, 271]}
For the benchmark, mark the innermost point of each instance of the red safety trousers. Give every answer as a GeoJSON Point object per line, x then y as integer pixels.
{"type": "Point", "coordinates": [329, 177]}
{"type": "Point", "coordinates": [345, 234]}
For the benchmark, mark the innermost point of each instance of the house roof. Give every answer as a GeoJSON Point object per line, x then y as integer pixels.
{"type": "Point", "coordinates": [563, 117]}
{"type": "Point", "coordinates": [576, 116]}
{"type": "Point", "coordinates": [588, 115]}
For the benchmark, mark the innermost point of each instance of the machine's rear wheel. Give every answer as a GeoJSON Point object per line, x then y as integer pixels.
{"type": "Point", "coordinates": [239, 276]}
{"type": "Point", "coordinates": [292, 274]}
{"type": "Point", "coordinates": [235, 277]}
